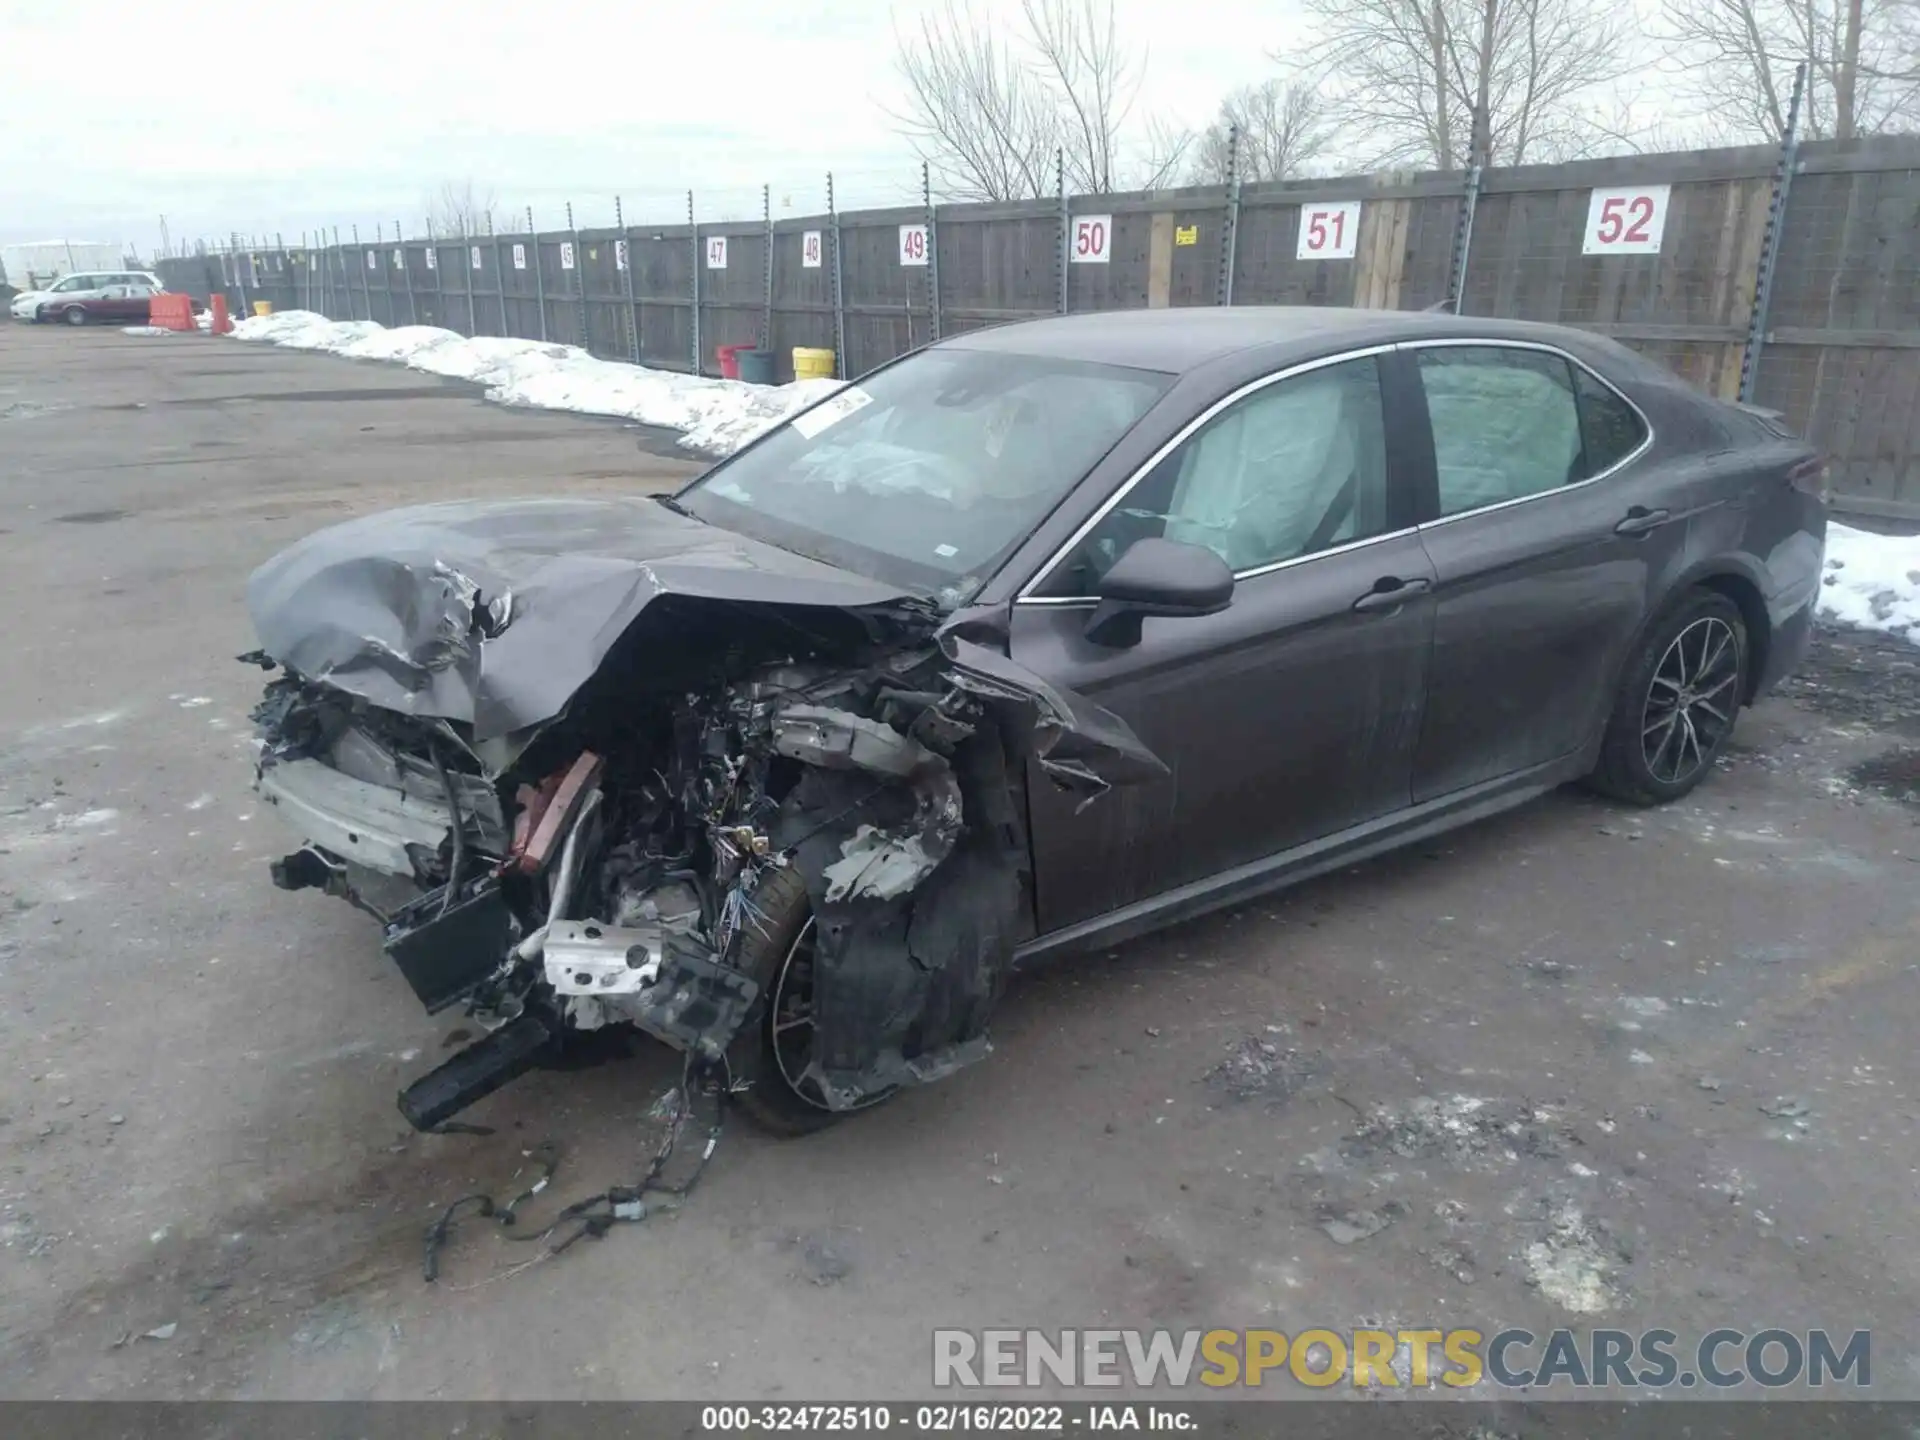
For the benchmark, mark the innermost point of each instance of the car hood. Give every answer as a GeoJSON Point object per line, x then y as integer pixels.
{"type": "Point", "coordinates": [494, 613]}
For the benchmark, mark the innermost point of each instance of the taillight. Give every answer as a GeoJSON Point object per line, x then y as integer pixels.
{"type": "Point", "coordinates": [1809, 477]}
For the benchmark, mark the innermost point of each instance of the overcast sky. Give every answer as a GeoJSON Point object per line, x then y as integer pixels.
{"type": "Point", "coordinates": [352, 111]}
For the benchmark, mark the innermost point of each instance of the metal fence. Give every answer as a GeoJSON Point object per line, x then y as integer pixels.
{"type": "Point", "coordinates": [1667, 253]}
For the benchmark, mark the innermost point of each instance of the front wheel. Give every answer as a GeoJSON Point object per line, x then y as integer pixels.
{"type": "Point", "coordinates": [76, 316]}
{"type": "Point", "coordinates": [770, 1059]}
{"type": "Point", "coordinates": [1677, 702]}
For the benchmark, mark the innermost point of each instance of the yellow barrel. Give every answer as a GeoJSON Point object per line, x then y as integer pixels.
{"type": "Point", "coordinates": [812, 364]}
{"type": "Point", "coordinates": [263, 307]}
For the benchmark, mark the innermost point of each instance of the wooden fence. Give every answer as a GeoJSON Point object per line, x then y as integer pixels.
{"type": "Point", "coordinates": [1839, 351]}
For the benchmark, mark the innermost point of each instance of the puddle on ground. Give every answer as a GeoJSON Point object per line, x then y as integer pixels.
{"type": "Point", "coordinates": [1895, 774]}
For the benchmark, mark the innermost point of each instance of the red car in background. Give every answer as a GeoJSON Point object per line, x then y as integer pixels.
{"type": "Point", "coordinates": [121, 299]}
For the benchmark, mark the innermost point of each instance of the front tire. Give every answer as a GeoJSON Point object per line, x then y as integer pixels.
{"type": "Point", "coordinates": [769, 1058]}
{"type": "Point", "coordinates": [1677, 702]}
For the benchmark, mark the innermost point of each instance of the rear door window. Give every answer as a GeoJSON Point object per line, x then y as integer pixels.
{"type": "Point", "coordinates": [1506, 424]}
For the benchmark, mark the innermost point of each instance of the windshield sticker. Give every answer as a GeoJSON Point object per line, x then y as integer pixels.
{"type": "Point", "coordinates": [831, 412]}
{"type": "Point", "coordinates": [945, 552]}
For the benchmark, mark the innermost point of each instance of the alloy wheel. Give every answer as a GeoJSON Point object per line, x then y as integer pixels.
{"type": "Point", "coordinates": [791, 1021]}
{"type": "Point", "coordinates": [1691, 701]}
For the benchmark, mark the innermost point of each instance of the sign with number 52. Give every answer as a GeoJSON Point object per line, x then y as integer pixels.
{"type": "Point", "coordinates": [1329, 230]}
{"type": "Point", "coordinates": [1626, 220]}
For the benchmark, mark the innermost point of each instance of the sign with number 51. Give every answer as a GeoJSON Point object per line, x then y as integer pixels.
{"type": "Point", "coordinates": [1329, 230]}
{"type": "Point", "coordinates": [1626, 220]}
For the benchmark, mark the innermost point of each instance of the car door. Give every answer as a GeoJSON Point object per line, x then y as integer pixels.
{"type": "Point", "coordinates": [1289, 715]}
{"type": "Point", "coordinates": [1546, 525]}
{"type": "Point", "coordinates": [135, 300]}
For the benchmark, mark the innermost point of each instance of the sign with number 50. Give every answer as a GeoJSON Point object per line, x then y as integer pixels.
{"type": "Point", "coordinates": [1626, 220]}
{"type": "Point", "coordinates": [1329, 230]}
{"type": "Point", "coordinates": [1090, 240]}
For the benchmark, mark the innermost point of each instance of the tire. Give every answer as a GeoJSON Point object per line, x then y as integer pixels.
{"type": "Point", "coordinates": [75, 316]}
{"type": "Point", "coordinates": [1677, 703]}
{"type": "Point", "coordinates": [775, 954]}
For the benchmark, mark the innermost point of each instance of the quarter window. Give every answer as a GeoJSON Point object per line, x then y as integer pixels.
{"type": "Point", "coordinates": [1505, 424]}
{"type": "Point", "coordinates": [1610, 428]}
{"type": "Point", "coordinates": [1294, 468]}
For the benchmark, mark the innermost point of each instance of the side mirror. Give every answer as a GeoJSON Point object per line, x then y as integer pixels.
{"type": "Point", "coordinates": [1158, 577]}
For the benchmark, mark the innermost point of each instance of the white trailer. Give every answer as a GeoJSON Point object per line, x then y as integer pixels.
{"type": "Point", "coordinates": [36, 266]}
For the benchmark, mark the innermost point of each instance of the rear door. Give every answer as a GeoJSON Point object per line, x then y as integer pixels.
{"type": "Point", "coordinates": [1548, 520]}
{"type": "Point", "coordinates": [1284, 718]}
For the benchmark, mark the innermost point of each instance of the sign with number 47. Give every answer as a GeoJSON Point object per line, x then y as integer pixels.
{"type": "Point", "coordinates": [1626, 220]}
{"type": "Point", "coordinates": [716, 252]}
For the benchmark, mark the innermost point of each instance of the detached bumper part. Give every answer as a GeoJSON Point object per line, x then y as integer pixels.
{"type": "Point", "coordinates": [476, 1072]}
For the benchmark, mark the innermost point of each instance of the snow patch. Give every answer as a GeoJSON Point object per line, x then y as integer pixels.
{"type": "Point", "coordinates": [715, 417]}
{"type": "Point", "coordinates": [1872, 581]}
{"type": "Point", "coordinates": [1569, 1267]}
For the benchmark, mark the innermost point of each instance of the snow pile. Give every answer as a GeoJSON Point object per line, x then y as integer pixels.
{"type": "Point", "coordinates": [145, 330]}
{"type": "Point", "coordinates": [1872, 581]}
{"type": "Point", "coordinates": [712, 416]}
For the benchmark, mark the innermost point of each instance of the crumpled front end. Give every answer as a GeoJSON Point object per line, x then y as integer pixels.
{"type": "Point", "coordinates": [622, 863]}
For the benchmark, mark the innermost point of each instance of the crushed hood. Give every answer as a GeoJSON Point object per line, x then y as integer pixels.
{"type": "Point", "coordinates": [493, 613]}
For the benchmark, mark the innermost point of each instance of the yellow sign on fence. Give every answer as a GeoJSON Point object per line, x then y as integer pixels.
{"type": "Point", "coordinates": [1186, 235]}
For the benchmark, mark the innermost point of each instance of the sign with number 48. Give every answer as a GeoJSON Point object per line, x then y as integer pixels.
{"type": "Point", "coordinates": [810, 250]}
{"type": "Point", "coordinates": [1329, 230]}
{"type": "Point", "coordinates": [1626, 220]}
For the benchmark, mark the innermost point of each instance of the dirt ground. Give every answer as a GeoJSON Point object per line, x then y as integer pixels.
{"type": "Point", "coordinates": [1577, 1065]}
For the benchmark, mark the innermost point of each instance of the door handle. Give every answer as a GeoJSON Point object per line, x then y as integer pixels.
{"type": "Point", "coordinates": [1391, 592]}
{"type": "Point", "coordinates": [1640, 520]}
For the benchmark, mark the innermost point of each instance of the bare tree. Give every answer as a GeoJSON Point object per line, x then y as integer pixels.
{"type": "Point", "coordinates": [977, 111]}
{"type": "Point", "coordinates": [1283, 132]}
{"type": "Point", "coordinates": [991, 116]}
{"type": "Point", "coordinates": [457, 208]}
{"type": "Point", "coordinates": [1449, 82]}
{"type": "Point", "coordinates": [1735, 60]}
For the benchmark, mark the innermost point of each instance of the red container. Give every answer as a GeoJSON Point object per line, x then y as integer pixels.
{"type": "Point", "coordinates": [728, 356]}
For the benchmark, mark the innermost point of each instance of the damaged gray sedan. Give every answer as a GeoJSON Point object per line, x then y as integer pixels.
{"type": "Point", "coordinates": [786, 770]}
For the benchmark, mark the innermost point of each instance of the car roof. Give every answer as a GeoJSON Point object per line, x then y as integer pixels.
{"type": "Point", "coordinates": [1175, 341]}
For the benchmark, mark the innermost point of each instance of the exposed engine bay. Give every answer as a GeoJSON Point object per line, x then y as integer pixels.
{"type": "Point", "coordinates": [786, 840]}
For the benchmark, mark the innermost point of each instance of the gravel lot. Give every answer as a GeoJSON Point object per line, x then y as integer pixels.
{"type": "Point", "coordinates": [1576, 1065]}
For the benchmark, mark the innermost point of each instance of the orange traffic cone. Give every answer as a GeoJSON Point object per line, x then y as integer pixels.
{"type": "Point", "coordinates": [222, 322]}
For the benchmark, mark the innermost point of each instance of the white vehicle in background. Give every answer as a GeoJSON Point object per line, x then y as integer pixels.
{"type": "Point", "coordinates": [76, 292]}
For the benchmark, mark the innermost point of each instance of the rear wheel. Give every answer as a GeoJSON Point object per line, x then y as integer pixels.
{"type": "Point", "coordinates": [76, 316]}
{"type": "Point", "coordinates": [1677, 703]}
{"type": "Point", "coordinates": [771, 1058]}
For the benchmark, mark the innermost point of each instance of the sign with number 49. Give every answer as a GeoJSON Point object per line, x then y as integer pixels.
{"type": "Point", "coordinates": [1626, 220]}
{"type": "Point", "coordinates": [913, 244]}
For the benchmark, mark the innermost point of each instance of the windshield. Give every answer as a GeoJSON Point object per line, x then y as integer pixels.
{"type": "Point", "coordinates": [928, 473]}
